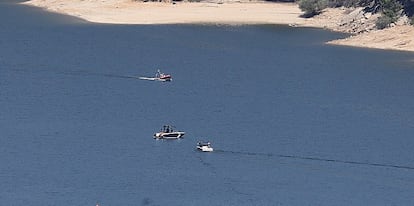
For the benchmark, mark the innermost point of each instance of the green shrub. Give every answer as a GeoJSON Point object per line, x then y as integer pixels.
{"type": "Point", "coordinates": [312, 7]}
{"type": "Point", "coordinates": [391, 8]}
{"type": "Point", "coordinates": [345, 3]}
{"type": "Point", "coordinates": [383, 22]}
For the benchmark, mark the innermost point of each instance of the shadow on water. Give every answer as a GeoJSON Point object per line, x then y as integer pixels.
{"type": "Point", "coordinates": [317, 159]}
{"type": "Point", "coordinates": [11, 11]}
{"type": "Point", "coordinates": [13, 1]}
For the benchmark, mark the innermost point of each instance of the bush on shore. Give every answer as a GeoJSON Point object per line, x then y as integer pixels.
{"type": "Point", "coordinates": [383, 22]}
{"type": "Point", "coordinates": [391, 9]}
{"type": "Point", "coordinates": [312, 7]}
{"type": "Point", "coordinates": [344, 3]}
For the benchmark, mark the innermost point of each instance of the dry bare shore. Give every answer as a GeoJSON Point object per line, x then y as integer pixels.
{"type": "Point", "coordinates": [235, 12]}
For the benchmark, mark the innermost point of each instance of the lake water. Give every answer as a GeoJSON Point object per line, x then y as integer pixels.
{"type": "Point", "coordinates": [293, 121]}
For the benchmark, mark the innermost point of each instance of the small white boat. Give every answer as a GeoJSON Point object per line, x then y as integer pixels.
{"type": "Point", "coordinates": [167, 132]}
{"type": "Point", "coordinates": [163, 77]}
{"type": "Point", "coordinates": [159, 76]}
{"type": "Point", "coordinates": [204, 146]}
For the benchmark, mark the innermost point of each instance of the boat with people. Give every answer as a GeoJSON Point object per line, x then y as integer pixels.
{"type": "Point", "coordinates": [159, 76]}
{"type": "Point", "coordinates": [204, 146]}
{"type": "Point", "coordinates": [162, 76]}
{"type": "Point", "coordinates": [168, 132]}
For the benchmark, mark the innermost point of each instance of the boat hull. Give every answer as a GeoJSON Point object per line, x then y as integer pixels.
{"type": "Point", "coordinates": [169, 135]}
{"type": "Point", "coordinates": [205, 148]}
{"type": "Point", "coordinates": [156, 79]}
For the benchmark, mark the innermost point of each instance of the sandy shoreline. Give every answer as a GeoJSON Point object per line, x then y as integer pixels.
{"type": "Point", "coordinates": [137, 12]}
{"type": "Point", "coordinates": [231, 12]}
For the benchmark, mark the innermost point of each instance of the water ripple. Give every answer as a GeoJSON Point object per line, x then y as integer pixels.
{"type": "Point", "coordinates": [319, 159]}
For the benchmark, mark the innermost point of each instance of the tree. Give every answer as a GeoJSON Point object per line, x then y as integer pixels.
{"type": "Point", "coordinates": [391, 10]}
{"type": "Point", "coordinates": [408, 6]}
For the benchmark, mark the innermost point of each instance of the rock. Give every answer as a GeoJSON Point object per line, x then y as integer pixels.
{"type": "Point", "coordinates": [367, 15]}
{"type": "Point", "coordinates": [404, 20]}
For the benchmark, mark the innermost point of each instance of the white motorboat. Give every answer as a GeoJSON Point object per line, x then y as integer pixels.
{"type": "Point", "coordinates": [162, 76]}
{"type": "Point", "coordinates": [167, 132]}
{"type": "Point", "coordinates": [204, 146]}
{"type": "Point", "coordinates": [159, 76]}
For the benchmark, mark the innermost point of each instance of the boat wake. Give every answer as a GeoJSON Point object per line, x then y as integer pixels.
{"type": "Point", "coordinates": [86, 73]}
{"type": "Point", "coordinates": [148, 78]}
{"type": "Point", "coordinates": [158, 77]}
{"type": "Point", "coordinates": [318, 159]}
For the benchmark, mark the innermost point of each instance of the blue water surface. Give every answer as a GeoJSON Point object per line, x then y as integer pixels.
{"type": "Point", "coordinates": [293, 121]}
